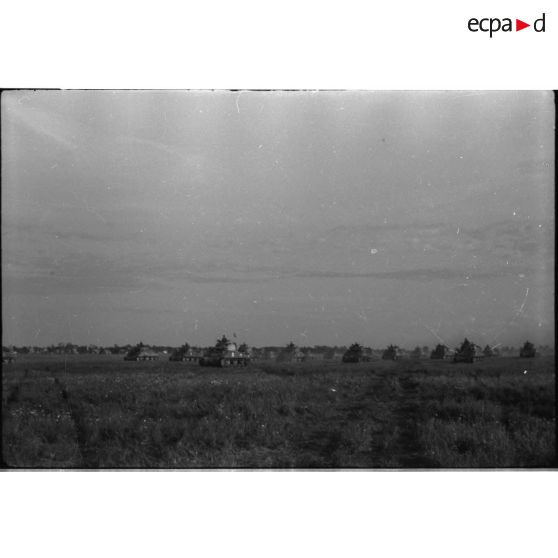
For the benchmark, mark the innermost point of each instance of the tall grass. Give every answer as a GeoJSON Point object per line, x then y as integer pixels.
{"type": "Point", "coordinates": [109, 413]}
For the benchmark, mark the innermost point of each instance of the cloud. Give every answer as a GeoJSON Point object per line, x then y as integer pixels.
{"type": "Point", "coordinates": [258, 275]}
{"type": "Point", "coordinates": [416, 274]}
{"type": "Point", "coordinates": [205, 279]}
{"type": "Point", "coordinates": [46, 285]}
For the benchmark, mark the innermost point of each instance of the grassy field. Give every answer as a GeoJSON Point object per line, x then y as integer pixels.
{"type": "Point", "coordinates": [96, 411]}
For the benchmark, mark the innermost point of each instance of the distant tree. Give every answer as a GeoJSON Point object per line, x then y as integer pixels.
{"type": "Point", "coordinates": [439, 352]}
{"type": "Point", "coordinates": [488, 352]}
{"type": "Point", "coordinates": [354, 353]}
{"type": "Point", "coordinates": [134, 351]}
{"type": "Point", "coordinates": [287, 353]}
{"type": "Point", "coordinates": [390, 353]}
{"type": "Point", "coordinates": [243, 348]}
{"type": "Point", "coordinates": [290, 348]}
{"type": "Point", "coordinates": [178, 354]}
{"type": "Point", "coordinates": [465, 353]}
{"type": "Point", "coordinates": [528, 350]}
{"type": "Point", "coordinates": [417, 352]}
{"type": "Point", "coordinates": [356, 348]}
{"type": "Point", "coordinates": [222, 343]}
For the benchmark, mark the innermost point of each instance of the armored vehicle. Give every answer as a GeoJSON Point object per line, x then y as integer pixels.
{"type": "Point", "coordinates": [468, 352]}
{"type": "Point", "coordinates": [224, 355]}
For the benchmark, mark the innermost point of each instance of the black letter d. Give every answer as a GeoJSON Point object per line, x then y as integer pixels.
{"type": "Point", "coordinates": [541, 30]}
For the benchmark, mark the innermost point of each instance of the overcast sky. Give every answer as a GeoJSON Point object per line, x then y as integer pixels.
{"type": "Point", "coordinates": [317, 217]}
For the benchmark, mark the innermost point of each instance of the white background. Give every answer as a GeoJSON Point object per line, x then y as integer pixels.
{"type": "Point", "coordinates": [249, 44]}
{"type": "Point", "coordinates": [261, 44]}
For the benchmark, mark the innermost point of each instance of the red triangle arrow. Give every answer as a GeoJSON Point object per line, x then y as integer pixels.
{"type": "Point", "coordinates": [519, 25]}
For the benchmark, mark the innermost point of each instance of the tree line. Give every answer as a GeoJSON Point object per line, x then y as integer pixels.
{"type": "Point", "coordinates": [353, 353]}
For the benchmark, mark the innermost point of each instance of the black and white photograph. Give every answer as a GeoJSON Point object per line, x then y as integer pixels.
{"type": "Point", "coordinates": [278, 279]}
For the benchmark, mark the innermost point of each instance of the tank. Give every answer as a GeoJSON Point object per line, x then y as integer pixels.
{"type": "Point", "coordinates": [224, 356]}
{"type": "Point", "coordinates": [468, 352]}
